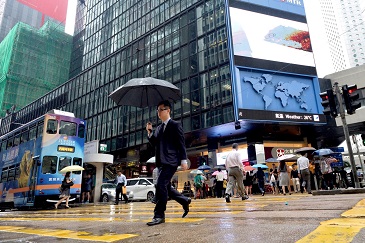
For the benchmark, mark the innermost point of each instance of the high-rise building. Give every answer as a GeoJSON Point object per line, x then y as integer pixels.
{"type": "Point", "coordinates": [340, 26]}
{"type": "Point", "coordinates": [32, 12]}
{"type": "Point", "coordinates": [245, 69]}
{"type": "Point", "coordinates": [33, 62]}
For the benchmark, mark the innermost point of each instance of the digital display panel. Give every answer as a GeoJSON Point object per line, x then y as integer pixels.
{"type": "Point", "coordinates": [271, 38]}
{"type": "Point", "coordinates": [68, 149]}
{"type": "Point", "coordinates": [268, 95]}
{"type": "Point", "coordinates": [291, 6]}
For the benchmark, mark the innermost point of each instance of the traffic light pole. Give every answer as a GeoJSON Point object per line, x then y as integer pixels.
{"type": "Point", "coordinates": [347, 135]}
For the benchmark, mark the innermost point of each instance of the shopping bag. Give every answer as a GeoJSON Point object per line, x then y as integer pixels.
{"type": "Point", "coordinates": [124, 190]}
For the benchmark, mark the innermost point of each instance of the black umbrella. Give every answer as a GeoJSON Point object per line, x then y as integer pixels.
{"type": "Point", "coordinates": [305, 149]}
{"type": "Point", "coordinates": [144, 92]}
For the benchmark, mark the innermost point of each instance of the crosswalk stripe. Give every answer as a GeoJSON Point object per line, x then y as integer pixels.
{"type": "Point", "coordinates": [341, 229]}
{"type": "Point", "coordinates": [67, 234]}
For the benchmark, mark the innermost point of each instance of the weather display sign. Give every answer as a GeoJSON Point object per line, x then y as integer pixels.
{"type": "Point", "coordinates": [277, 96]}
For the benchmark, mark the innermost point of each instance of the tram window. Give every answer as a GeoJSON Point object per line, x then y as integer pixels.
{"type": "Point", "coordinates": [77, 161]}
{"type": "Point", "coordinates": [17, 140]}
{"type": "Point", "coordinates": [51, 127]}
{"type": "Point", "coordinates": [68, 128]}
{"type": "Point", "coordinates": [49, 164]}
{"type": "Point", "coordinates": [4, 175]}
{"type": "Point", "coordinates": [3, 146]}
{"type": "Point", "coordinates": [24, 137]}
{"type": "Point", "coordinates": [11, 174]}
{"type": "Point", "coordinates": [33, 133]}
{"type": "Point", "coordinates": [81, 131]}
{"type": "Point", "coordinates": [17, 171]}
{"type": "Point", "coordinates": [10, 142]}
{"type": "Point", "coordinates": [40, 130]}
{"type": "Point", "coordinates": [64, 161]}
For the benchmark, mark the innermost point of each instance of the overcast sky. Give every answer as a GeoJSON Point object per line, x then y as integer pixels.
{"type": "Point", "coordinates": [70, 19]}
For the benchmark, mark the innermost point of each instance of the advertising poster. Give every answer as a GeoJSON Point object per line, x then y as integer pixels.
{"type": "Point", "coordinates": [271, 38]}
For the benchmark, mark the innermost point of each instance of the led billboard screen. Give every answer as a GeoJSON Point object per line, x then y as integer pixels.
{"type": "Point", "coordinates": [271, 38]}
{"type": "Point", "coordinates": [268, 95]}
{"type": "Point", "coordinates": [291, 6]}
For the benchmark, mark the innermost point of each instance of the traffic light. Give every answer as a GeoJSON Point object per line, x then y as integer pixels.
{"type": "Point", "coordinates": [329, 103]}
{"type": "Point", "coordinates": [363, 139]}
{"type": "Point", "coordinates": [350, 97]}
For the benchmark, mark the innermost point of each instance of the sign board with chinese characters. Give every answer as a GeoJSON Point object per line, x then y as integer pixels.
{"type": "Point", "coordinates": [91, 147]}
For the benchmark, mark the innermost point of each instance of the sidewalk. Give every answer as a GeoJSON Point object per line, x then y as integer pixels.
{"type": "Point", "coordinates": [339, 191]}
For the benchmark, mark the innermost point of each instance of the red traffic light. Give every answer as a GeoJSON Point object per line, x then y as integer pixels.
{"type": "Point", "coordinates": [350, 98]}
{"type": "Point", "coordinates": [329, 103]}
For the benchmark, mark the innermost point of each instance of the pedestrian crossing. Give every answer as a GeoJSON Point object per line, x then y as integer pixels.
{"type": "Point", "coordinates": [82, 223]}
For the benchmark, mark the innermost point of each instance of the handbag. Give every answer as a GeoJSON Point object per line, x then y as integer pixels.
{"type": "Point", "coordinates": [60, 189]}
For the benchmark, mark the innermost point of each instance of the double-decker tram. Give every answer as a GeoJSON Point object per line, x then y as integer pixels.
{"type": "Point", "coordinates": [32, 156]}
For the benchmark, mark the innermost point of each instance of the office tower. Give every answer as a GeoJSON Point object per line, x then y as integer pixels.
{"type": "Point", "coordinates": [343, 25]}
{"type": "Point", "coordinates": [32, 12]}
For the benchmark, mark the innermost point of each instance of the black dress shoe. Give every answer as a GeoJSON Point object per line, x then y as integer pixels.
{"type": "Point", "coordinates": [228, 200]}
{"type": "Point", "coordinates": [116, 203]}
{"type": "Point", "coordinates": [156, 221]}
{"type": "Point", "coordinates": [186, 208]}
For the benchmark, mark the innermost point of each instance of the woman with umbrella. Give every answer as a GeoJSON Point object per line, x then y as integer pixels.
{"type": "Point", "coordinates": [65, 192]}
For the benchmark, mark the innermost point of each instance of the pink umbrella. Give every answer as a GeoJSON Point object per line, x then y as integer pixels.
{"type": "Point", "coordinates": [248, 168]}
{"type": "Point", "coordinates": [216, 172]}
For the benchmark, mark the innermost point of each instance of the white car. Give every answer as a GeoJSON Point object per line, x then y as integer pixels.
{"type": "Point", "coordinates": [140, 189]}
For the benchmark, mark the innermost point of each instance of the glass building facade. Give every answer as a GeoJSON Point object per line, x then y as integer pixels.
{"type": "Point", "coordinates": [186, 42]}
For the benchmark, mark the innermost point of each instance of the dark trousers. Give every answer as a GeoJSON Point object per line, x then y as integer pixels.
{"type": "Point", "coordinates": [118, 190]}
{"type": "Point", "coordinates": [219, 188]}
{"type": "Point", "coordinates": [165, 190]}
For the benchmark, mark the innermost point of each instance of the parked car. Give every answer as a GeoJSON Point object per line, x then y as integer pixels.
{"type": "Point", "coordinates": [140, 189]}
{"type": "Point", "coordinates": [137, 189]}
{"type": "Point", "coordinates": [108, 192]}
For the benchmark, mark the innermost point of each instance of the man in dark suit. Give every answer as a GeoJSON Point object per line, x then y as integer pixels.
{"type": "Point", "coordinates": [169, 143]}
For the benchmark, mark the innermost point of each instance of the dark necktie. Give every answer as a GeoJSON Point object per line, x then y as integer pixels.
{"type": "Point", "coordinates": [162, 129]}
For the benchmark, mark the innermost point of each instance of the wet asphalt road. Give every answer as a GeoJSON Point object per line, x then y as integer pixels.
{"type": "Point", "coordinates": [290, 218]}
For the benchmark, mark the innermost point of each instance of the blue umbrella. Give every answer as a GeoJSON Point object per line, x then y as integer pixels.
{"type": "Point", "coordinates": [323, 152]}
{"type": "Point", "coordinates": [262, 166]}
{"type": "Point", "coordinates": [204, 167]}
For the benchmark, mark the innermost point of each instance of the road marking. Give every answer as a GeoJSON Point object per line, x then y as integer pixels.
{"type": "Point", "coordinates": [67, 234]}
{"type": "Point", "coordinates": [341, 229]}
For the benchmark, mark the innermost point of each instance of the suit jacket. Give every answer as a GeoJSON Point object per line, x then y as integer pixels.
{"type": "Point", "coordinates": [169, 144]}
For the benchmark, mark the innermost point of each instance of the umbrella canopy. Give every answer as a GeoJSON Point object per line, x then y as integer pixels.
{"type": "Point", "coordinates": [219, 167]}
{"type": "Point", "coordinates": [216, 172]}
{"type": "Point", "coordinates": [72, 168]}
{"type": "Point", "coordinates": [248, 168]}
{"type": "Point", "coordinates": [204, 167]}
{"type": "Point", "coordinates": [144, 92]}
{"type": "Point", "coordinates": [323, 152]}
{"type": "Point", "coordinates": [271, 160]}
{"type": "Point", "coordinates": [196, 172]}
{"type": "Point", "coordinates": [288, 157]}
{"type": "Point", "coordinates": [260, 165]}
{"type": "Point", "coordinates": [304, 149]}
{"type": "Point", "coordinates": [151, 160]}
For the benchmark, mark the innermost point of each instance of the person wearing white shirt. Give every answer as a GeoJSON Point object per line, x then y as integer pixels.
{"type": "Point", "coordinates": [120, 182]}
{"type": "Point", "coordinates": [303, 171]}
{"type": "Point", "coordinates": [235, 172]}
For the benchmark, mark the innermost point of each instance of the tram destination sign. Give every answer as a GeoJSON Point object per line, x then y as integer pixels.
{"type": "Point", "coordinates": [280, 116]}
{"type": "Point", "coordinates": [68, 149]}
